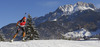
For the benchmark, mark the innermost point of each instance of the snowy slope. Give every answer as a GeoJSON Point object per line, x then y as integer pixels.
{"type": "Point", "coordinates": [79, 33]}
{"type": "Point", "coordinates": [51, 43]}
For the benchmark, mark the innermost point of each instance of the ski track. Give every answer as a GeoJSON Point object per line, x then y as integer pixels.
{"type": "Point", "coordinates": [51, 43]}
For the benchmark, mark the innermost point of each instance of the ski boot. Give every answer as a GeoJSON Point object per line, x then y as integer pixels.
{"type": "Point", "coordinates": [23, 39]}
{"type": "Point", "coordinates": [12, 40]}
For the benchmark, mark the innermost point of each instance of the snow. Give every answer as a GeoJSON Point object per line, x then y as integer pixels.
{"type": "Point", "coordinates": [77, 8]}
{"type": "Point", "coordinates": [66, 8]}
{"type": "Point", "coordinates": [51, 43]}
{"type": "Point", "coordinates": [54, 20]}
{"type": "Point", "coordinates": [69, 9]}
{"type": "Point", "coordinates": [79, 33]}
{"type": "Point", "coordinates": [94, 38]}
{"type": "Point", "coordinates": [87, 34]}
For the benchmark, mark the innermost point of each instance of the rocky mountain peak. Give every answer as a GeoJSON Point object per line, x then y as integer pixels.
{"type": "Point", "coordinates": [85, 4]}
{"type": "Point", "coordinates": [69, 9]}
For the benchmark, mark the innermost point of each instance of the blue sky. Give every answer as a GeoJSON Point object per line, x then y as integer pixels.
{"type": "Point", "coordinates": [13, 10]}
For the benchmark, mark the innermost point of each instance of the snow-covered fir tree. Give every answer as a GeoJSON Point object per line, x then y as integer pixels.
{"type": "Point", "coordinates": [31, 32]}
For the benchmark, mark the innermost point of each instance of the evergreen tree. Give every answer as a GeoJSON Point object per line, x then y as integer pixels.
{"type": "Point", "coordinates": [31, 32]}
{"type": "Point", "coordinates": [2, 38]}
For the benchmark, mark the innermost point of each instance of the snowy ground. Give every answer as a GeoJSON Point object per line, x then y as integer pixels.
{"type": "Point", "coordinates": [51, 43]}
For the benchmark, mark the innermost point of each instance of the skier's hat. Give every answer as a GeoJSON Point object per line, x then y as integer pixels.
{"type": "Point", "coordinates": [24, 17]}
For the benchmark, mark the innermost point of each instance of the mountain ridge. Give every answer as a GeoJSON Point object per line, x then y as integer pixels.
{"type": "Point", "coordinates": [64, 10]}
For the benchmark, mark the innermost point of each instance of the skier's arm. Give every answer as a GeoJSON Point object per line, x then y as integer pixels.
{"type": "Point", "coordinates": [17, 23]}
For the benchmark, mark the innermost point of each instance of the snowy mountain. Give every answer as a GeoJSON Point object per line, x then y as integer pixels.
{"type": "Point", "coordinates": [69, 9]}
{"type": "Point", "coordinates": [64, 10]}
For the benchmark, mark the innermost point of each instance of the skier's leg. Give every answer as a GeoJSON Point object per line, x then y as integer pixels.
{"type": "Point", "coordinates": [24, 34]}
{"type": "Point", "coordinates": [15, 36]}
{"type": "Point", "coordinates": [23, 29]}
{"type": "Point", "coordinates": [16, 33]}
